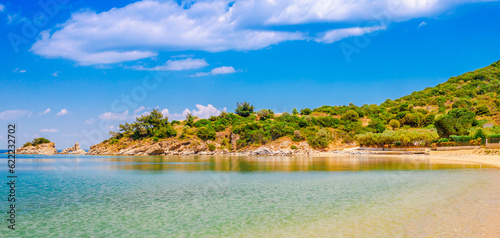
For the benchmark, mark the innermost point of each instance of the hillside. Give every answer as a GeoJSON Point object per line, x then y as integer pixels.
{"type": "Point", "coordinates": [454, 110]}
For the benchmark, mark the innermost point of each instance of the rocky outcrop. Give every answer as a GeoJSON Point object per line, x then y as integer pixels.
{"type": "Point", "coordinates": [198, 147]}
{"type": "Point", "coordinates": [41, 149]}
{"type": "Point", "coordinates": [76, 150]}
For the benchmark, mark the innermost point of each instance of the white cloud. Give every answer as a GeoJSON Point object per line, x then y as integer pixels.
{"type": "Point", "coordinates": [339, 34]}
{"type": "Point", "coordinates": [138, 110]}
{"type": "Point", "coordinates": [2, 7]}
{"type": "Point", "coordinates": [89, 121]}
{"type": "Point", "coordinates": [111, 127]}
{"type": "Point", "coordinates": [115, 116]}
{"type": "Point", "coordinates": [49, 130]}
{"type": "Point", "coordinates": [46, 111]}
{"type": "Point", "coordinates": [183, 64]}
{"type": "Point", "coordinates": [422, 24]}
{"type": "Point", "coordinates": [205, 111]}
{"type": "Point", "coordinates": [144, 28]}
{"type": "Point", "coordinates": [218, 70]}
{"type": "Point", "coordinates": [200, 111]}
{"type": "Point", "coordinates": [55, 74]}
{"type": "Point", "coordinates": [17, 70]}
{"type": "Point", "coordinates": [141, 29]}
{"type": "Point", "coordinates": [12, 114]}
{"type": "Point", "coordinates": [62, 112]}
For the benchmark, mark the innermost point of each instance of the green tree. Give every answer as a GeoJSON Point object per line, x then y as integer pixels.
{"type": "Point", "coordinates": [482, 110]}
{"type": "Point", "coordinates": [38, 141]}
{"type": "Point", "coordinates": [350, 115]}
{"type": "Point", "coordinates": [206, 133]}
{"type": "Point", "coordinates": [394, 124]}
{"type": "Point", "coordinates": [456, 122]}
{"type": "Point", "coordinates": [244, 109]}
{"type": "Point", "coordinates": [305, 111]}
{"type": "Point", "coordinates": [295, 112]}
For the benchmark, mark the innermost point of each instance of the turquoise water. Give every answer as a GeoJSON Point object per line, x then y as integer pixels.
{"type": "Point", "coordinates": [94, 196]}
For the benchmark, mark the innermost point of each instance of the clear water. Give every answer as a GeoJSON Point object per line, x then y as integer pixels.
{"type": "Point", "coordinates": [94, 196]}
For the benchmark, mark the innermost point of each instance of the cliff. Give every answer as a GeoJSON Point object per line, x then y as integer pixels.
{"type": "Point", "coordinates": [42, 149]}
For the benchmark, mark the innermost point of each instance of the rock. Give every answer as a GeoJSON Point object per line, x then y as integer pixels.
{"type": "Point", "coordinates": [42, 149]}
{"type": "Point", "coordinates": [75, 150]}
{"type": "Point", "coordinates": [263, 151]}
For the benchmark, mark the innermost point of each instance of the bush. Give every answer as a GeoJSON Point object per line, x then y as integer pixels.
{"type": "Point", "coordinates": [460, 139]}
{"type": "Point", "coordinates": [350, 115]}
{"type": "Point", "coordinates": [456, 122]}
{"type": "Point", "coordinates": [442, 140]}
{"type": "Point", "coordinates": [399, 137]}
{"type": "Point", "coordinates": [211, 147]}
{"type": "Point", "coordinates": [206, 133]}
{"type": "Point", "coordinates": [293, 147]}
{"type": "Point", "coordinates": [394, 124]}
{"type": "Point", "coordinates": [482, 110]}
{"type": "Point", "coordinates": [27, 144]}
{"type": "Point", "coordinates": [155, 139]}
{"type": "Point", "coordinates": [320, 140]}
{"type": "Point", "coordinates": [297, 136]}
{"type": "Point", "coordinates": [305, 111]}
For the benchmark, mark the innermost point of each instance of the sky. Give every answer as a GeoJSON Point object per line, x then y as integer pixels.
{"type": "Point", "coordinates": [71, 71]}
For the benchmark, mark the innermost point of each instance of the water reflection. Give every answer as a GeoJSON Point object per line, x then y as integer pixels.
{"type": "Point", "coordinates": [283, 164]}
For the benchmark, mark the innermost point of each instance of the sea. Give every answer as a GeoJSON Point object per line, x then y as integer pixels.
{"type": "Point", "coordinates": [238, 196]}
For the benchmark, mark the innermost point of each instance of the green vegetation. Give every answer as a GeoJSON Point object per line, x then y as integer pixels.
{"type": "Point", "coordinates": [451, 112]}
{"type": "Point", "coordinates": [37, 141]}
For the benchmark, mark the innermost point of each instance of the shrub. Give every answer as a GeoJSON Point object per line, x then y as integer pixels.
{"type": "Point", "coordinates": [244, 109]}
{"type": "Point", "coordinates": [461, 139]}
{"type": "Point", "coordinates": [350, 115]}
{"type": "Point", "coordinates": [456, 122]}
{"type": "Point", "coordinates": [211, 147]}
{"type": "Point", "coordinates": [293, 147]}
{"type": "Point", "coordinates": [174, 122]}
{"type": "Point", "coordinates": [399, 137]}
{"type": "Point", "coordinates": [27, 144]}
{"type": "Point", "coordinates": [394, 124]}
{"type": "Point", "coordinates": [305, 111]}
{"type": "Point", "coordinates": [205, 133]}
{"type": "Point", "coordinates": [297, 136]}
{"type": "Point", "coordinates": [155, 139]}
{"type": "Point", "coordinates": [40, 140]}
{"type": "Point", "coordinates": [482, 110]}
{"type": "Point", "coordinates": [295, 112]}
{"type": "Point", "coordinates": [320, 140]}
{"type": "Point", "coordinates": [113, 141]}
{"type": "Point", "coordinates": [442, 140]}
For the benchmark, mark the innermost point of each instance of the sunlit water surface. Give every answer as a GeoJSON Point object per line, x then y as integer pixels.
{"type": "Point", "coordinates": [97, 196]}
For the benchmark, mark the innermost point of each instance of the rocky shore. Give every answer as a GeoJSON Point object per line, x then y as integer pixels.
{"type": "Point", "coordinates": [42, 149]}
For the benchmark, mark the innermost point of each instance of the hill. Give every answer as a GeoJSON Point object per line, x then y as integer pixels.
{"type": "Point", "coordinates": [454, 110]}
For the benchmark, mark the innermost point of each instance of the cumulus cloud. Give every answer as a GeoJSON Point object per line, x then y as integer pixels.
{"type": "Point", "coordinates": [142, 29]}
{"type": "Point", "coordinates": [200, 111]}
{"type": "Point", "coordinates": [339, 34]}
{"type": "Point", "coordinates": [218, 70]}
{"type": "Point", "coordinates": [49, 130]}
{"type": "Point", "coordinates": [175, 65]}
{"type": "Point", "coordinates": [62, 112]}
{"type": "Point", "coordinates": [13, 114]}
{"type": "Point", "coordinates": [46, 111]}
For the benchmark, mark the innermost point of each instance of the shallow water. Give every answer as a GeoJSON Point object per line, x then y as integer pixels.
{"type": "Point", "coordinates": [191, 196]}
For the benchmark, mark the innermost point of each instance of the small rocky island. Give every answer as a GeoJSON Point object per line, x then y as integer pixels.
{"type": "Point", "coordinates": [42, 146]}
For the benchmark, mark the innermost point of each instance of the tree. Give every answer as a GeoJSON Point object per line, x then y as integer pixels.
{"type": "Point", "coordinates": [377, 125]}
{"type": "Point", "coordinates": [394, 124]}
{"type": "Point", "coordinates": [38, 141]}
{"type": "Point", "coordinates": [295, 112]}
{"type": "Point", "coordinates": [482, 110]}
{"type": "Point", "coordinates": [190, 120]}
{"type": "Point", "coordinates": [305, 111]}
{"type": "Point", "coordinates": [244, 109]}
{"type": "Point", "coordinates": [350, 115]}
{"type": "Point", "coordinates": [456, 122]}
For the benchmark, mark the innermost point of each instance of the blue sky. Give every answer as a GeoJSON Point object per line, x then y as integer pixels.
{"type": "Point", "coordinates": [95, 64]}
